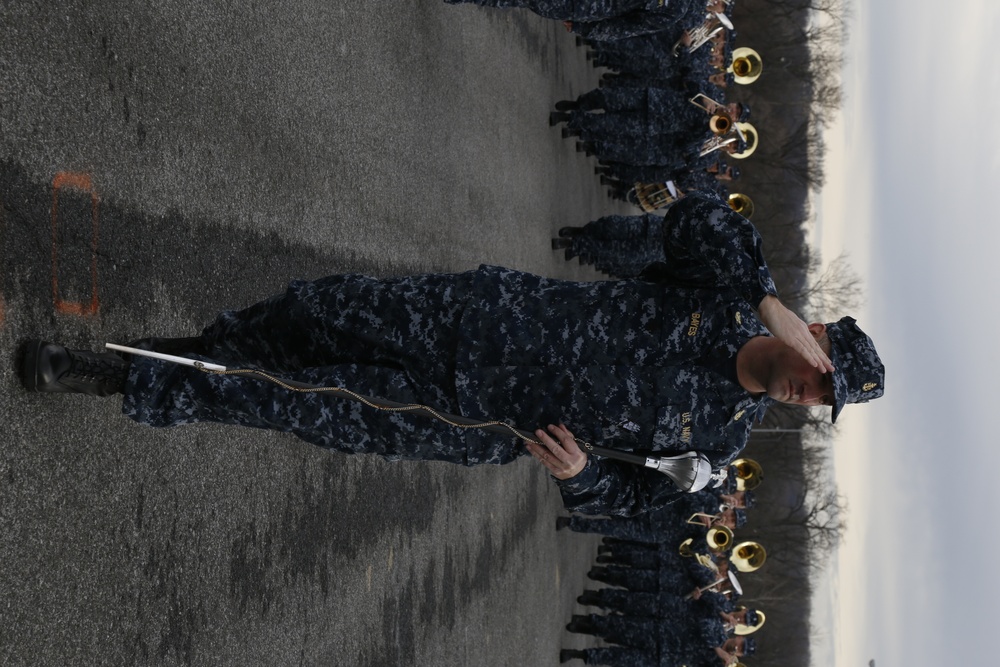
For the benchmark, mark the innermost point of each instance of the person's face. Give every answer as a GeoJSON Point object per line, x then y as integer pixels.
{"type": "Point", "coordinates": [727, 519]}
{"type": "Point", "coordinates": [740, 617]}
{"type": "Point", "coordinates": [793, 380]}
{"type": "Point", "coordinates": [733, 499]}
{"type": "Point", "coordinates": [734, 645]}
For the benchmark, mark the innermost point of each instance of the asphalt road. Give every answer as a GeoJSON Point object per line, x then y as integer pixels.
{"type": "Point", "coordinates": [162, 161]}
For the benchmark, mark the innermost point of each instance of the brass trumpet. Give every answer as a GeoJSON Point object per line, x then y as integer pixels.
{"type": "Point", "coordinates": [720, 123]}
{"type": "Point", "coordinates": [719, 538]}
{"type": "Point", "coordinates": [741, 203]}
{"type": "Point", "coordinates": [749, 474]}
{"type": "Point", "coordinates": [694, 519]}
{"type": "Point", "coordinates": [748, 556]}
{"type": "Point", "coordinates": [747, 65]}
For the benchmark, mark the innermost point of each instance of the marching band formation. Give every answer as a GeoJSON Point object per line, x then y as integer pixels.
{"type": "Point", "coordinates": [660, 127]}
{"type": "Point", "coordinates": [673, 581]}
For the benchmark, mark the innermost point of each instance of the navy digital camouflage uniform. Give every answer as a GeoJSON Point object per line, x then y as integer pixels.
{"type": "Point", "coordinates": [627, 364]}
{"type": "Point", "coordinates": [589, 10]}
{"type": "Point", "coordinates": [619, 245]}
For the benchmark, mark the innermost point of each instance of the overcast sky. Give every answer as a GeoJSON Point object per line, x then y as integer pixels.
{"type": "Point", "coordinates": [914, 185]}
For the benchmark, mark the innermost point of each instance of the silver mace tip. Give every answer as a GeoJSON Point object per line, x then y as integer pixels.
{"type": "Point", "coordinates": [690, 471]}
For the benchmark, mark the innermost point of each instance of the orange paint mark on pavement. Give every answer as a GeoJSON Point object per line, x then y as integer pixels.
{"type": "Point", "coordinates": [81, 182]}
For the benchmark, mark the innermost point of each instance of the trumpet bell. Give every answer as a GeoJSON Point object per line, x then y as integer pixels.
{"type": "Point", "coordinates": [742, 204]}
{"type": "Point", "coordinates": [748, 132]}
{"type": "Point", "coordinates": [747, 65]}
{"type": "Point", "coordinates": [720, 124]}
{"type": "Point", "coordinates": [719, 538]}
{"type": "Point", "coordinates": [748, 556]}
{"type": "Point", "coordinates": [749, 474]}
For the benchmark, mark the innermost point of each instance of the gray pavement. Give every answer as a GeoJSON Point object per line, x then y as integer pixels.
{"type": "Point", "coordinates": [162, 161]}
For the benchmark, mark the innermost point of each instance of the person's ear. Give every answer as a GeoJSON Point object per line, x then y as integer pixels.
{"type": "Point", "coordinates": [817, 330]}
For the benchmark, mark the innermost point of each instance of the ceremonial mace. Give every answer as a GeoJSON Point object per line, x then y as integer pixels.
{"type": "Point", "coordinates": [690, 471]}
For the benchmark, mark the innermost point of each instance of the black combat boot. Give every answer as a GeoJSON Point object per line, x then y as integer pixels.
{"type": "Point", "coordinates": [561, 244]}
{"type": "Point", "coordinates": [557, 117]}
{"type": "Point", "coordinates": [567, 105]}
{"type": "Point", "coordinates": [567, 654]}
{"type": "Point", "coordinates": [569, 232]}
{"type": "Point", "coordinates": [581, 624]}
{"type": "Point", "coordinates": [52, 368]}
{"type": "Point", "coordinates": [589, 598]}
{"type": "Point", "coordinates": [561, 521]}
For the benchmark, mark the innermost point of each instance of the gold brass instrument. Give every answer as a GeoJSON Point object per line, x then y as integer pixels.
{"type": "Point", "coordinates": [719, 538]}
{"type": "Point", "coordinates": [693, 519]}
{"type": "Point", "coordinates": [685, 548]}
{"type": "Point", "coordinates": [653, 196]}
{"type": "Point", "coordinates": [743, 630]}
{"type": "Point", "coordinates": [720, 122]}
{"type": "Point", "coordinates": [749, 133]}
{"type": "Point", "coordinates": [748, 556]}
{"type": "Point", "coordinates": [749, 474]}
{"type": "Point", "coordinates": [742, 204]}
{"type": "Point", "coordinates": [747, 65]}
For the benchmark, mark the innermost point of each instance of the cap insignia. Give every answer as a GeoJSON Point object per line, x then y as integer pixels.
{"type": "Point", "coordinates": [868, 386]}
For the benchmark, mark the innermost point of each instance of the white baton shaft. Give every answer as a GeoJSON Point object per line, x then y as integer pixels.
{"type": "Point", "coordinates": [184, 361]}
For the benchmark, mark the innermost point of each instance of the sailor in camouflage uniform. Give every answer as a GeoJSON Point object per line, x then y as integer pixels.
{"type": "Point", "coordinates": [635, 365]}
{"type": "Point", "coordinates": [664, 11]}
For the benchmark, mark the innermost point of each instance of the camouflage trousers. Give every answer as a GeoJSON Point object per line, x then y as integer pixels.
{"type": "Point", "coordinates": [620, 245]}
{"type": "Point", "coordinates": [393, 339]}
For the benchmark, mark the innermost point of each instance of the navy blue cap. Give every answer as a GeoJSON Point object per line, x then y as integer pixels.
{"type": "Point", "coordinates": [749, 646]}
{"type": "Point", "coordinates": [749, 499]}
{"type": "Point", "coordinates": [740, 517]}
{"type": "Point", "coordinates": [859, 376]}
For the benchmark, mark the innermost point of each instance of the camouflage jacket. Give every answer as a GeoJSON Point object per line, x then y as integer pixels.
{"type": "Point", "coordinates": [621, 363]}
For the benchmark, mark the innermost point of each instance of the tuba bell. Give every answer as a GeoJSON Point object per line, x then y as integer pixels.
{"type": "Point", "coordinates": [748, 556]}
{"type": "Point", "coordinates": [741, 203]}
{"type": "Point", "coordinates": [747, 65]}
{"type": "Point", "coordinates": [749, 474]}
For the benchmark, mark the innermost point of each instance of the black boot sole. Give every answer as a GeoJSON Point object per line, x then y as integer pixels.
{"type": "Point", "coordinates": [28, 363]}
